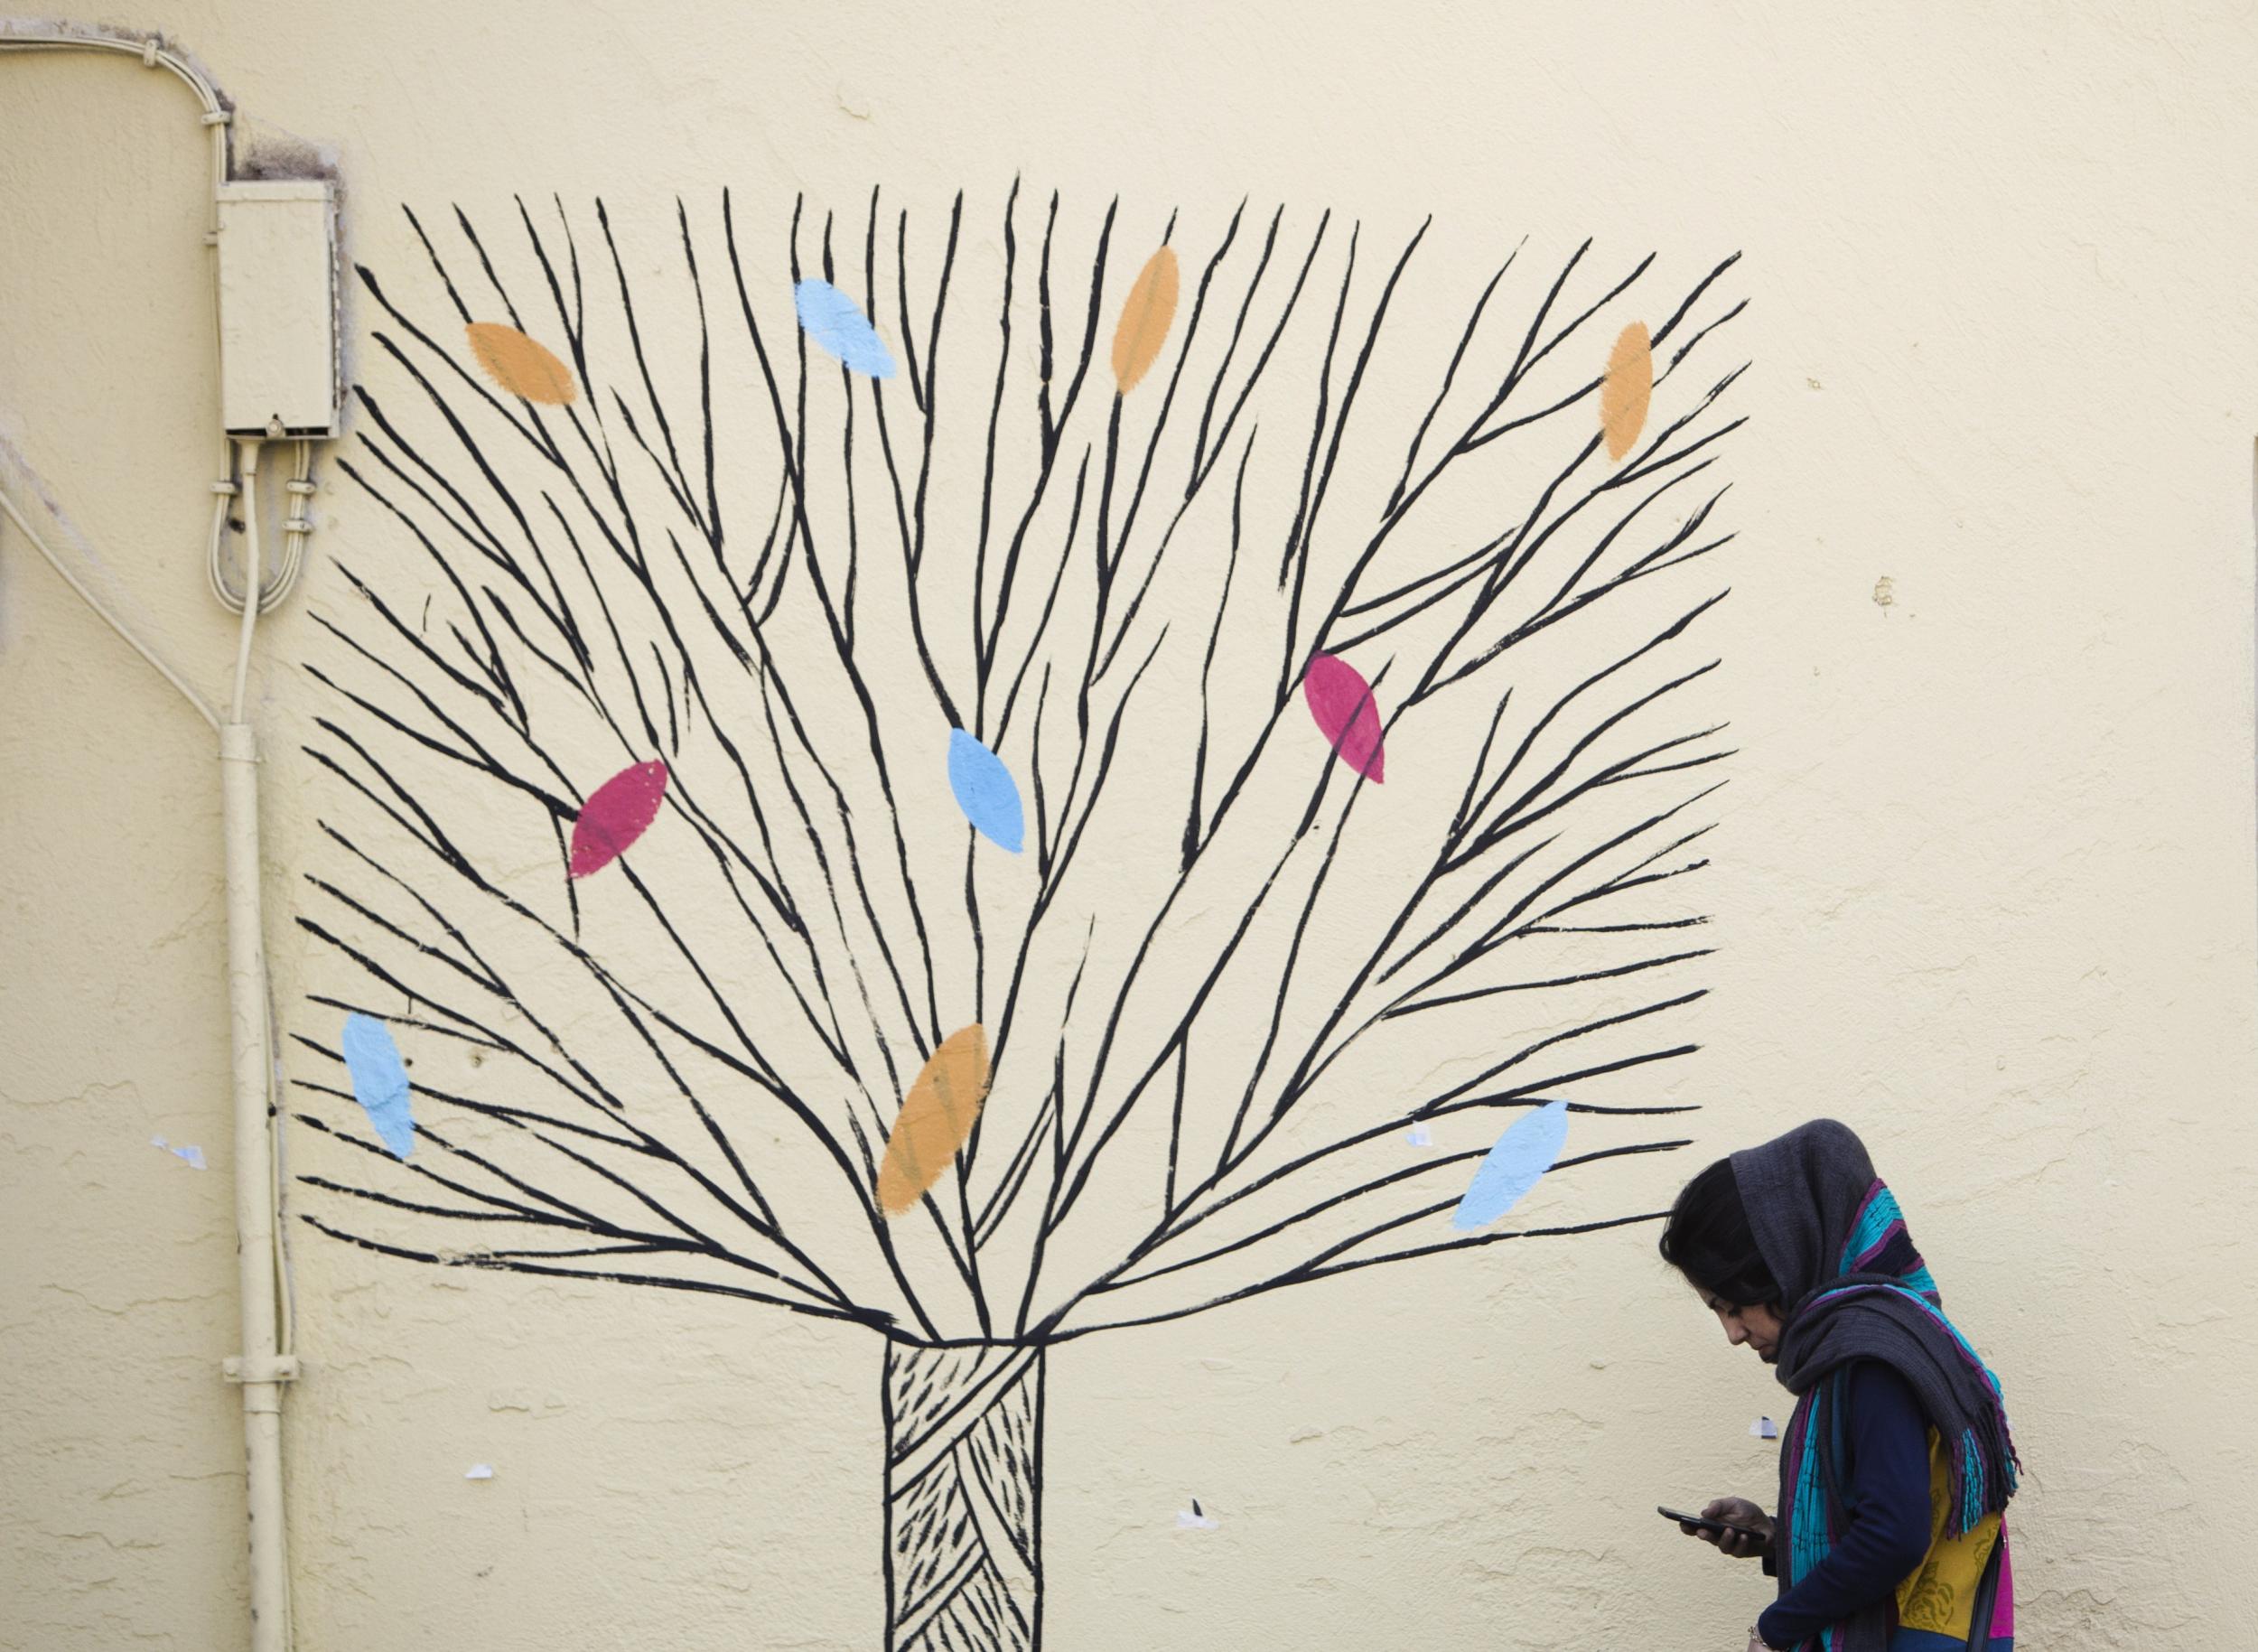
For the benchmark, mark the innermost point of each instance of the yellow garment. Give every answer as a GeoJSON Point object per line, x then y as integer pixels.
{"type": "Point", "coordinates": [1940, 1594]}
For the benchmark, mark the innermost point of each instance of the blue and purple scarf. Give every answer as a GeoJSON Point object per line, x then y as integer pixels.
{"type": "Point", "coordinates": [1854, 1287]}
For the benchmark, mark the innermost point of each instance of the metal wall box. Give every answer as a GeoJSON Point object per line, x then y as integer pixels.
{"type": "Point", "coordinates": [278, 307]}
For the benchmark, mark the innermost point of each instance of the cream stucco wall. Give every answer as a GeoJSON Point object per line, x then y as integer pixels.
{"type": "Point", "coordinates": [1983, 885]}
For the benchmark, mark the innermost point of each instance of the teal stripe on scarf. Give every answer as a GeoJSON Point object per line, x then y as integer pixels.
{"type": "Point", "coordinates": [1809, 1541]}
{"type": "Point", "coordinates": [1876, 1217]}
{"type": "Point", "coordinates": [1971, 1480]}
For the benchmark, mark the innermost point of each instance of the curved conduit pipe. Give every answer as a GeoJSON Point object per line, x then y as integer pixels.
{"type": "Point", "coordinates": [265, 1364]}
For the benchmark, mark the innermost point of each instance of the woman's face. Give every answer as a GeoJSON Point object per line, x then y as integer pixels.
{"type": "Point", "coordinates": [1755, 1326]}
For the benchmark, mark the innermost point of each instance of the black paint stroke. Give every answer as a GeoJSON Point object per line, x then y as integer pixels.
{"type": "Point", "coordinates": [608, 590]}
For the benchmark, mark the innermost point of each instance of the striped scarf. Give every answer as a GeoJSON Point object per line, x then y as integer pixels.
{"type": "Point", "coordinates": [1854, 1287]}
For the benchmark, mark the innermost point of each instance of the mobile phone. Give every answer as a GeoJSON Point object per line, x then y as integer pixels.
{"type": "Point", "coordinates": [1700, 1524]}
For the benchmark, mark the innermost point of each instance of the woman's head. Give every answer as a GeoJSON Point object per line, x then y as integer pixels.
{"type": "Point", "coordinates": [1709, 1240]}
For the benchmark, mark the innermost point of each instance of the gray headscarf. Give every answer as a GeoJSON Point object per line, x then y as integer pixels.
{"type": "Point", "coordinates": [1854, 1287]}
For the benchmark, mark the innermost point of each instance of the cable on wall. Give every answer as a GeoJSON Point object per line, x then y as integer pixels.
{"type": "Point", "coordinates": [202, 709]}
{"type": "Point", "coordinates": [217, 120]}
{"type": "Point", "coordinates": [260, 296]}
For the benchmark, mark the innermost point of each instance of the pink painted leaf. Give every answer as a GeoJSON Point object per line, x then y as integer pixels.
{"type": "Point", "coordinates": [616, 815]}
{"type": "Point", "coordinates": [1342, 702]}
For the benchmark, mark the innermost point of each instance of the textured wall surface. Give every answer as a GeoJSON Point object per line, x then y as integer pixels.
{"type": "Point", "coordinates": [1983, 884]}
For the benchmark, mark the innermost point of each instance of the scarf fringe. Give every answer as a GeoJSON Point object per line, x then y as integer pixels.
{"type": "Point", "coordinates": [1971, 1483]}
{"type": "Point", "coordinates": [1979, 1493]}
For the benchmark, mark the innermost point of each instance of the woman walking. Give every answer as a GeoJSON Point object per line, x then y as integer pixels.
{"type": "Point", "coordinates": [1897, 1465]}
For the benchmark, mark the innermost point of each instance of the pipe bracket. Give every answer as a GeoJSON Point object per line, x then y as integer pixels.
{"type": "Point", "coordinates": [282, 1368]}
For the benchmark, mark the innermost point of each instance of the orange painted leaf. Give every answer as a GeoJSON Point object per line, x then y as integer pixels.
{"type": "Point", "coordinates": [1624, 391]}
{"type": "Point", "coordinates": [1145, 315]}
{"type": "Point", "coordinates": [520, 365]}
{"type": "Point", "coordinates": [939, 1113]}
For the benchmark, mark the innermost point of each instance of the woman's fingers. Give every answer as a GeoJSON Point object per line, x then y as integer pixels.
{"type": "Point", "coordinates": [1743, 1530]}
{"type": "Point", "coordinates": [1735, 1512]}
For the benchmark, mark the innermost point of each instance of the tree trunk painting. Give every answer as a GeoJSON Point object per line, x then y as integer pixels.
{"type": "Point", "coordinates": [963, 1498]}
{"type": "Point", "coordinates": [992, 794]}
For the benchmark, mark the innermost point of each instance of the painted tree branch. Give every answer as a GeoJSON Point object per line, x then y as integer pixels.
{"type": "Point", "coordinates": [688, 1068]}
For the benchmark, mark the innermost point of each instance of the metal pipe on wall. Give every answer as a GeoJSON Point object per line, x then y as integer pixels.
{"type": "Point", "coordinates": [259, 1369]}
{"type": "Point", "coordinates": [262, 1368]}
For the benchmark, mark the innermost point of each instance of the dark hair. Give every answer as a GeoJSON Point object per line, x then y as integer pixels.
{"type": "Point", "coordinates": [1708, 1239]}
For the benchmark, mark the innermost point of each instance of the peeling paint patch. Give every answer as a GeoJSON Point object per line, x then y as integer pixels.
{"type": "Point", "coordinates": [192, 1155]}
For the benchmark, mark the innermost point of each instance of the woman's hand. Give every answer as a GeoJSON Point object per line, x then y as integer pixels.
{"type": "Point", "coordinates": [1734, 1511]}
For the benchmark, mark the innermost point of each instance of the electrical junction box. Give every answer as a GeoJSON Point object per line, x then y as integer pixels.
{"type": "Point", "coordinates": [278, 307]}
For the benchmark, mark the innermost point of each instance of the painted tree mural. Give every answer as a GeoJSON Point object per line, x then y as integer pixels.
{"type": "Point", "coordinates": [989, 786]}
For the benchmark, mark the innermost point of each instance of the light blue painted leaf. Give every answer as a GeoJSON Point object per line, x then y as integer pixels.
{"type": "Point", "coordinates": [836, 322]}
{"type": "Point", "coordinates": [1510, 1170]}
{"type": "Point", "coordinates": [985, 790]}
{"type": "Point", "coordinates": [379, 1082]}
